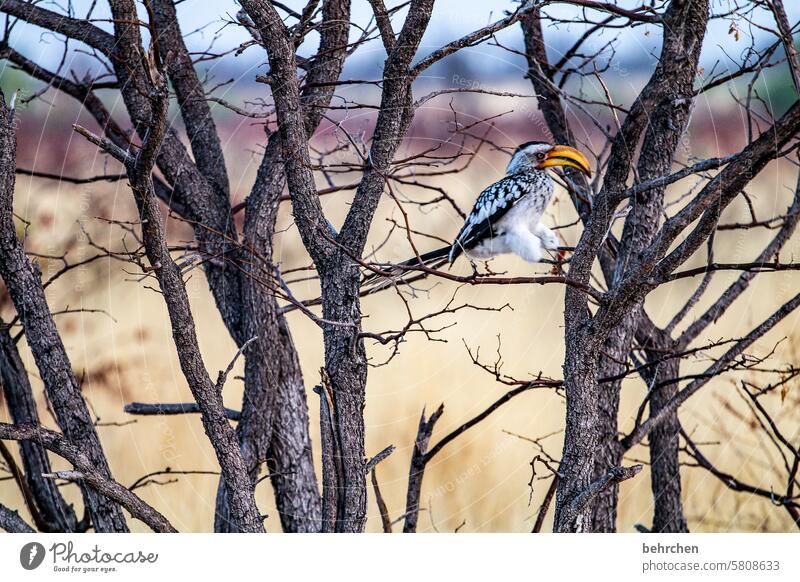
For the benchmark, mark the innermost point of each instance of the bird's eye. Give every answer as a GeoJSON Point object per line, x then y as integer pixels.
{"type": "Point", "coordinates": [540, 156]}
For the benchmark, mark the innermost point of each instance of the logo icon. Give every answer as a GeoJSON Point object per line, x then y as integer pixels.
{"type": "Point", "coordinates": [31, 555]}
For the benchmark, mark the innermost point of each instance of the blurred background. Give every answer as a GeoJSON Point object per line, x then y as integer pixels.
{"type": "Point", "coordinates": [121, 345]}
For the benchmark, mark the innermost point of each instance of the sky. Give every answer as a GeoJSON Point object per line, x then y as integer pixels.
{"type": "Point", "coordinates": [205, 20]}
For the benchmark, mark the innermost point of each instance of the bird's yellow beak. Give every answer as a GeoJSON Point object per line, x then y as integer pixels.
{"type": "Point", "coordinates": [562, 155]}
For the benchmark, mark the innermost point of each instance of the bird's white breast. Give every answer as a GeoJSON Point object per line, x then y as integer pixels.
{"type": "Point", "coordinates": [513, 233]}
{"type": "Point", "coordinates": [528, 210]}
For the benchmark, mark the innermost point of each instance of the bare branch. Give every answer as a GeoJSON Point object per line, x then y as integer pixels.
{"type": "Point", "coordinates": [12, 522]}
{"type": "Point", "coordinates": [88, 473]}
{"type": "Point", "coordinates": [145, 409]}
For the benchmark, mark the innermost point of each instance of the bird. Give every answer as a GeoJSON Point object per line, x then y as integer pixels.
{"type": "Point", "coordinates": [506, 215]}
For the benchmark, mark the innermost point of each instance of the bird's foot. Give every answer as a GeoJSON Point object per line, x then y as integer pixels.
{"type": "Point", "coordinates": [550, 240]}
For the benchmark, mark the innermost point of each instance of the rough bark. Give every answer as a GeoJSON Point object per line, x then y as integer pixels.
{"type": "Point", "coordinates": [23, 281]}
{"type": "Point", "coordinates": [331, 457]}
{"type": "Point", "coordinates": [274, 425]}
{"type": "Point", "coordinates": [665, 475]}
{"type": "Point", "coordinates": [346, 363]}
{"type": "Point", "coordinates": [21, 404]}
{"type": "Point", "coordinates": [581, 432]}
{"type": "Point", "coordinates": [541, 74]}
{"type": "Point", "coordinates": [684, 29]}
{"type": "Point", "coordinates": [87, 473]}
{"type": "Point", "coordinates": [332, 253]}
{"type": "Point", "coordinates": [345, 355]}
{"type": "Point", "coordinates": [12, 522]}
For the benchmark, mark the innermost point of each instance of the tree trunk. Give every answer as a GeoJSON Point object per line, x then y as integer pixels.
{"type": "Point", "coordinates": [684, 30]}
{"type": "Point", "coordinates": [665, 476]}
{"type": "Point", "coordinates": [273, 383]}
{"type": "Point", "coordinates": [609, 452]}
{"type": "Point", "coordinates": [59, 516]}
{"type": "Point", "coordinates": [581, 433]}
{"type": "Point", "coordinates": [346, 365]}
{"type": "Point", "coordinates": [23, 281]}
{"type": "Point", "coordinates": [274, 425]}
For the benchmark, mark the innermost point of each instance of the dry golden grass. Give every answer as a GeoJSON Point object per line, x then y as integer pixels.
{"type": "Point", "coordinates": [480, 480]}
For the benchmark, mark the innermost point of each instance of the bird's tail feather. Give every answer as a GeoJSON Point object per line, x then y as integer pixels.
{"type": "Point", "coordinates": [398, 271]}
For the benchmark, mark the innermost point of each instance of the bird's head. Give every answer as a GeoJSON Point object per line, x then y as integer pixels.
{"type": "Point", "coordinates": [539, 155]}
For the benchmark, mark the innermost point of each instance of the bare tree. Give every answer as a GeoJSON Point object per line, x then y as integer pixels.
{"type": "Point", "coordinates": [273, 423]}
{"type": "Point", "coordinates": [24, 285]}
{"type": "Point", "coordinates": [610, 337]}
{"type": "Point", "coordinates": [600, 344]}
{"type": "Point", "coordinates": [780, 455]}
{"type": "Point", "coordinates": [143, 57]}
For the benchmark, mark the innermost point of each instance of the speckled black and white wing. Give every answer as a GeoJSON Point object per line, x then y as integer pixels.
{"type": "Point", "coordinates": [492, 204]}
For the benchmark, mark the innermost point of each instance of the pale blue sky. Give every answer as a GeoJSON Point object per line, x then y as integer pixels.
{"type": "Point", "coordinates": [451, 19]}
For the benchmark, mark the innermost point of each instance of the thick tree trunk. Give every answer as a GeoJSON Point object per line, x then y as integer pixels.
{"type": "Point", "coordinates": [289, 456]}
{"type": "Point", "coordinates": [581, 431]}
{"type": "Point", "coordinates": [684, 29]}
{"type": "Point", "coordinates": [346, 365]}
{"type": "Point", "coordinates": [609, 451]}
{"type": "Point", "coordinates": [281, 438]}
{"type": "Point", "coordinates": [541, 75]}
{"type": "Point", "coordinates": [274, 425]}
{"type": "Point", "coordinates": [665, 476]}
{"type": "Point", "coordinates": [59, 516]}
{"type": "Point", "coordinates": [23, 281]}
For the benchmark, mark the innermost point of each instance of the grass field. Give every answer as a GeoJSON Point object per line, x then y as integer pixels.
{"type": "Point", "coordinates": [480, 482]}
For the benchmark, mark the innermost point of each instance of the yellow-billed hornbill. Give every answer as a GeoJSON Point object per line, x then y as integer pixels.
{"type": "Point", "coordinates": [506, 215]}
